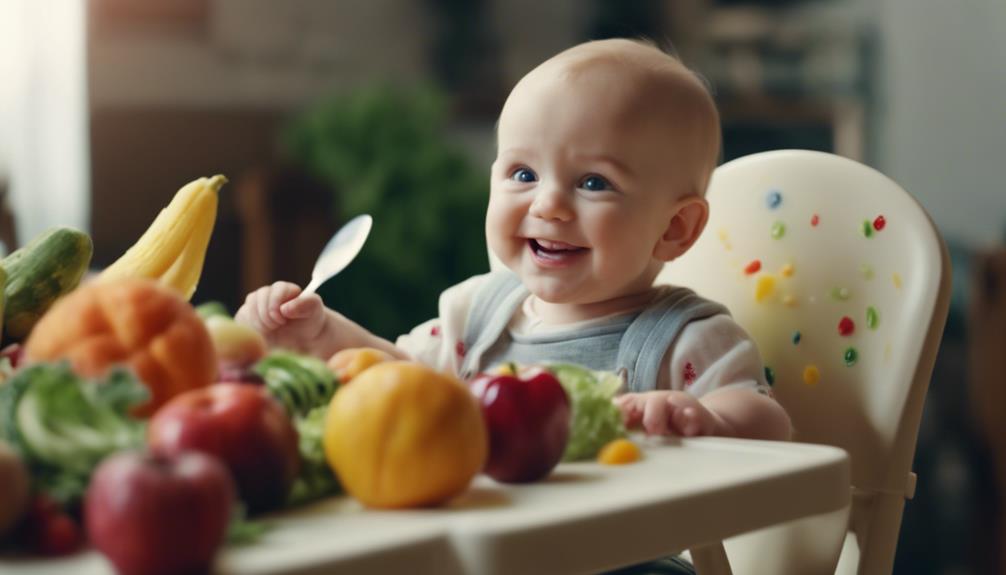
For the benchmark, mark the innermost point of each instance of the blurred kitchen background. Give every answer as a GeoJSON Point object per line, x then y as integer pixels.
{"type": "Point", "coordinates": [321, 109]}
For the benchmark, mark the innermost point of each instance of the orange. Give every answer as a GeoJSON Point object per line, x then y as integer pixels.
{"type": "Point", "coordinates": [404, 435]}
{"type": "Point", "coordinates": [350, 362]}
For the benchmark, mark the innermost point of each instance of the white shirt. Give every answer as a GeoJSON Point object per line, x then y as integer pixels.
{"type": "Point", "coordinates": [709, 354]}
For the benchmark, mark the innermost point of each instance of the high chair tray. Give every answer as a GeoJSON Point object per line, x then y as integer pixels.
{"type": "Point", "coordinates": [585, 517]}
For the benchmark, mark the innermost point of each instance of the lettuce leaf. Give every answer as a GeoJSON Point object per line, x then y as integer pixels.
{"type": "Point", "coordinates": [595, 419]}
{"type": "Point", "coordinates": [63, 425]}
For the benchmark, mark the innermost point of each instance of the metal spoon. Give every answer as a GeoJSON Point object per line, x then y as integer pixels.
{"type": "Point", "coordinates": [340, 250]}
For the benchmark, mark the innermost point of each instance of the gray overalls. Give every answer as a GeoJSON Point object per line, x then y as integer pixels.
{"type": "Point", "coordinates": [633, 345]}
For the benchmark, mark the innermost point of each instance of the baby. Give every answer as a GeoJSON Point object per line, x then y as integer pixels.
{"type": "Point", "coordinates": [604, 154]}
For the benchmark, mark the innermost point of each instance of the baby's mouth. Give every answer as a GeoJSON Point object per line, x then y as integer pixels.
{"type": "Point", "coordinates": [552, 252]}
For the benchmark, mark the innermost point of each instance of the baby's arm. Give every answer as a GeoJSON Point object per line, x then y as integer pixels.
{"type": "Point", "coordinates": [304, 324]}
{"type": "Point", "coordinates": [713, 385]}
{"type": "Point", "coordinates": [728, 412]}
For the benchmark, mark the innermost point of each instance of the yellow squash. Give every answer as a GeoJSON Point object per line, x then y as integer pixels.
{"type": "Point", "coordinates": [173, 248]}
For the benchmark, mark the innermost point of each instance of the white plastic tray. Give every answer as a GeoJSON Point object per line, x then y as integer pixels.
{"type": "Point", "coordinates": [585, 518]}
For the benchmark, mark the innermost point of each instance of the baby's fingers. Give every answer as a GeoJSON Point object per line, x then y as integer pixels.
{"type": "Point", "coordinates": [631, 406]}
{"type": "Point", "coordinates": [250, 313]}
{"type": "Point", "coordinates": [692, 421]}
{"type": "Point", "coordinates": [279, 294]}
{"type": "Point", "coordinates": [685, 421]}
{"type": "Point", "coordinates": [301, 307]}
{"type": "Point", "coordinates": [656, 415]}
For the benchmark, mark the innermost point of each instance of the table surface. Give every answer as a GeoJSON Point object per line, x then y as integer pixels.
{"type": "Point", "coordinates": [585, 517]}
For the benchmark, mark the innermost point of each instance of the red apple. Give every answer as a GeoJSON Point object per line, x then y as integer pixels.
{"type": "Point", "coordinates": [156, 515]}
{"type": "Point", "coordinates": [48, 529]}
{"type": "Point", "coordinates": [14, 354]}
{"type": "Point", "coordinates": [528, 417]}
{"type": "Point", "coordinates": [244, 427]}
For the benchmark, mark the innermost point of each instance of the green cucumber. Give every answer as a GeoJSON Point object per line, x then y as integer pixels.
{"type": "Point", "coordinates": [3, 296]}
{"type": "Point", "coordinates": [50, 266]}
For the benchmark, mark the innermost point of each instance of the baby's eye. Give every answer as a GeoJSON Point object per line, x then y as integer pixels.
{"type": "Point", "coordinates": [523, 175]}
{"type": "Point", "coordinates": [595, 183]}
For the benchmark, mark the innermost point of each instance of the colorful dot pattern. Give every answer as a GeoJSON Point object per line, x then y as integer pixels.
{"type": "Point", "coordinates": [725, 240]}
{"type": "Point", "coordinates": [851, 356]}
{"type": "Point", "coordinates": [811, 375]}
{"type": "Point", "coordinates": [766, 286]}
{"type": "Point", "coordinates": [774, 199]}
{"type": "Point", "coordinates": [872, 317]}
{"type": "Point", "coordinates": [778, 230]}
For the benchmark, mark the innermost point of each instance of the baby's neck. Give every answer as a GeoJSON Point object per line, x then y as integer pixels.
{"type": "Point", "coordinates": [565, 313]}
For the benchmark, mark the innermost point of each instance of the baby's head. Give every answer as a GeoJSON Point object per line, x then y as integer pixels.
{"type": "Point", "coordinates": [604, 154]}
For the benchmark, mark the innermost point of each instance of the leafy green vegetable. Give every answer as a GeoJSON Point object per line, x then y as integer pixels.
{"type": "Point", "coordinates": [244, 531]}
{"type": "Point", "coordinates": [63, 425]}
{"type": "Point", "coordinates": [299, 382]}
{"type": "Point", "coordinates": [595, 419]}
{"type": "Point", "coordinates": [316, 478]}
{"type": "Point", "coordinates": [386, 150]}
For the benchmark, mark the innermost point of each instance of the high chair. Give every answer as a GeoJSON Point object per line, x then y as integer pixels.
{"type": "Point", "coordinates": [843, 281]}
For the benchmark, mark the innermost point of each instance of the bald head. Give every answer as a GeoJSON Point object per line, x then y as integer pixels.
{"type": "Point", "coordinates": [648, 91]}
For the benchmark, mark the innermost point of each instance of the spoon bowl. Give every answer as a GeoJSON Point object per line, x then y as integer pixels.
{"type": "Point", "coordinates": [340, 250]}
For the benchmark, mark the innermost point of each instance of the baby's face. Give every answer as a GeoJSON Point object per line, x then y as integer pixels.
{"type": "Point", "coordinates": [583, 187]}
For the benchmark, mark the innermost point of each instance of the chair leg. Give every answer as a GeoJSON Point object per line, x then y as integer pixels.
{"type": "Point", "coordinates": [711, 559]}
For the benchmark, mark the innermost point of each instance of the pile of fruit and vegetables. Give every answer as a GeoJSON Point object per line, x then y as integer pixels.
{"type": "Point", "coordinates": [158, 432]}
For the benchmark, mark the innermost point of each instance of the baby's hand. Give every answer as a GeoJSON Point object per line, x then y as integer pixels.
{"type": "Point", "coordinates": [667, 413]}
{"type": "Point", "coordinates": [285, 319]}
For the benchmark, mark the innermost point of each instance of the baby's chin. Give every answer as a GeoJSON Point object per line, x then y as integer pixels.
{"type": "Point", "coordinates": [555, 290]}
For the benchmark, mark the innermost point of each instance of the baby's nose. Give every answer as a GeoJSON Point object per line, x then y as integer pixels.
{"type": "Point", "coordinates": [551, 202]}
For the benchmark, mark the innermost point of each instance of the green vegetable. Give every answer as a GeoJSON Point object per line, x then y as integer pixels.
{"type": "Point", "coordinates": [299, 382]}
{"type": "Point", "coordinates": [212, 308]}
{"type": "Point", "coordinates": [48, 267]}
{"type": "Point", "coordinates": [244, 531]}
{"type": "Point", "coordinates": [595, 419]}
{"type": "Point", "coordinates": [316, 478]}
{"type": "Point", "coordinates": [63, 426]}
{"type": "Point", "coordinates": [304, 385]}
{"type": "Point", "coordinates": [3, 298]}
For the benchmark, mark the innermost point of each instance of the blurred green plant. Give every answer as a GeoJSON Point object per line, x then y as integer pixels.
{"type": "Point", "coordinates": [383, 150]}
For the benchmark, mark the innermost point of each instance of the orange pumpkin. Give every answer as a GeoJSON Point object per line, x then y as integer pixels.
{"type": "Point", "coordinates": [135, 321]}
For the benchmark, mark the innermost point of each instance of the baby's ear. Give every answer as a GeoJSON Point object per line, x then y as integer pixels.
{"type": "Point", "coordinates": [688, 219]}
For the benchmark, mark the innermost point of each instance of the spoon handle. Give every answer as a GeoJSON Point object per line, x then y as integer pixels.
{"type": "Point", "coordinates": [313, 286]}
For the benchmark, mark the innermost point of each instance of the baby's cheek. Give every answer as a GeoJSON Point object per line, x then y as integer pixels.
{"type": "Point", "coordinates": [502, 223]}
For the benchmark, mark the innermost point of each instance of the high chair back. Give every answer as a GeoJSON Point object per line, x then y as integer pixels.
{"type": "Point", "coordinates": [843, 281]}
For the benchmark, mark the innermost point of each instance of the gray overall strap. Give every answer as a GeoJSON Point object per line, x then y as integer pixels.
{"type": "Point", "coordinates": [493, 305]}
{"type": "Point", "coordinates": [645, 343]}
